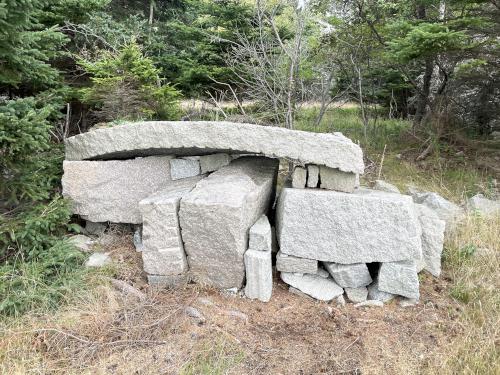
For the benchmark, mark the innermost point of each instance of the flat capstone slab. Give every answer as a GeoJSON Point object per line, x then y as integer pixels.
{"type": "Point", "coordinates": [362, 227]}
{"type": "Point", "coordinates": [215, 218]}
{"type": "Point", "coordinates": [111, 190]}
{"type": "Point", "coordinates": [205, 137]}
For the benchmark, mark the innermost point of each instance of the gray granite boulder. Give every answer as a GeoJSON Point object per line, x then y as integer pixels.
{"type": "Point", "coordinates": [215, 218]}
{"type": "Point", "coordinates": [102, 191]}
{"type": "Point", "coordinates": [363, 227]}
{"type": "Point", "coordinates": [349, 275]}
{"type": "Point", "coordinates": [335, 179]}
{"type": "Point", "coordinates": [487, 207]}
{"type": "Point", "coordinates": [446, 210]}
{"type": "Point", "coordinates": [432, 240]}
{"type": "Point", "coordinates": [385, 186]}
{"type": "Point", "coordinates": [399, 278]}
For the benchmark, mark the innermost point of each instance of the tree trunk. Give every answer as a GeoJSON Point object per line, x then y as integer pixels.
{"type": "Point", "coordinates": [423, 96]}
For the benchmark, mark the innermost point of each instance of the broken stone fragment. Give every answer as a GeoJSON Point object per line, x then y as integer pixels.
{"type": "Point", "coordinates": [211, 163]}
{"type": "Point", "coordinates": [98, 260]}
{"type": "Point", "coordinates": [335, 179]}
{"type": "Point", "coordinates": [349, 275]}
{"type": "Point", "coordinates": [399, 278]}
{"type": "Point", "coordinates": [367, 226]}
{"type": "Point", "coordinates": [217, 214]}
{"type": "Point", "coordinates": [184, 168]}
{"type": "Point", "coordinates": [385, 186]}
{"type": "Point", "coordinates": [260, 235]}
{"type": "Point", "coordinates": [357, 295]}
{"type": "Point", "coordinates": [312, 176]}
{"type": "Point", "coordinates": [291, 264]}
{"type": "Point", "coordinates": [432, 240]}
{"type": "Point", "coordinates": [374, 293]}
{"type": "Point", "coordinates": [299, 177]}
{"type": "Point", "coordinates": [313, 285]}
{"type": "Point", "coordinates": [259, 275]}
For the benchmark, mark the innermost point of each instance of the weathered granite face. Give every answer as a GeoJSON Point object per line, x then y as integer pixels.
{"type": "Point", "coordinates": [363, 227]}
{"type": "Point", "coordinates": [259, 275]}
{"type": "Point", "coordinates": [432, 240]}
{"type": "Point", "coordinates": [399, 278]}
{"type": "Point", "coordinates": [215, 218]}
{"type": "Point", "coordinates": [110, 190]}
{"type": "Point", "coordinates": [205, 137]}
{"type": "Point", "coordinates": [162, 247]}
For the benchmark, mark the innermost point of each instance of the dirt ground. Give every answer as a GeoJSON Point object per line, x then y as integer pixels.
{"type": "Point", "coordinates": [115, 333]}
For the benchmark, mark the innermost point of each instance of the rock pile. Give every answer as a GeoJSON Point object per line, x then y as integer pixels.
{"type": "Point", "coordinates": [207, 213]}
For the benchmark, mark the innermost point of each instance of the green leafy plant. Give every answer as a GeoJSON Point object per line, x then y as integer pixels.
{"type": "Point", "coordinates": [126, 86]}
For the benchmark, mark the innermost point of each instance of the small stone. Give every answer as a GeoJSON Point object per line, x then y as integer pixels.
{"type": "Point", "coordinates": [98, 260]}
{"type": "Point", "coordinates": [299, 178]}
{"type": "Point", "coordinates": [312, 176]}
{"type": "Point", "coordinates": [370, 303]}
{"type": "Point", "coordinates": [335, 179]}
{"type": "Point", "coordinates": [349, 275]}
{"type": "Point", "coordinates": [81, 242]}
{"type": "Point", "coordinates": [260, 235]}
{"type": "Point", "coordinates": [385, 186]}
{"type": "Point", "coordinates": [210, 163]}
{"type": "Point", "coordinates": [193, 312]}
{"type": "Point", "coordinates": [484, 206]}
{"type": "Point", "coordinates": [322, 273]}
{"type": "Point", "coordinates": [340, 301]}
{"type": "Point", "coordinates": [374, 293]}
{"type": "Point", "coordinates": [399, 278]}
{"type": "Point", "coordinates": [357, 295]}
{"type": "Point", "coordinates": [96, 229]}
{"type": "Point", "coordinates": [184, 168]}
{"type": "Point", "coordinates": [407, 302]}
{"type": "Point", "coordinates": [313, 285]}
{"type": "Point", "coordinates": [138, 239]}
{"type": "Point", "coordinates": [205, 301]}
{"type": "Point", "coordinates": [259, 275]}
{"type": "Point", "coordinates": [289, 263]}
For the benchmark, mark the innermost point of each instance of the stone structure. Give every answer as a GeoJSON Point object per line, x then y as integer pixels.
{"type": "Point", "coordinates": [204, 213]}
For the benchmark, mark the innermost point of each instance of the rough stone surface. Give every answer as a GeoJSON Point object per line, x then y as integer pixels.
{"type": "Point", "coordinates": [217, 214]}
{"type": "Point", "coordinates": [374, 293]}
{"type": "Point", "coordinates": [260, 236]}
{"type": "Point", "coordinates": [313, 285]}
{"type": "Point", "coordinates": [81, 242]}
{"type": "Point", "coordinates": [184, 168]}
{"type": "Point", "coordinates": [432, 240]}
{"type": "Point", "coordinates": [312, 176]}
{"type": "Point", "coordinates": [479, 203]}
{"type": "Point", "coordinates": [367, 226]}
{"type": "Point", "coordinates": [96, 229]}
{"type": "Point", "coordinates": [385, 186]}
{"type": "Point", "coordinates": [289, 263]}
{"type": "Point", "coordinates": [205, 137]}
{"type": "Point", "coordinates": [111, 190]}
{"type": "Point", "coordinates": [399, 278]}
{"type": "Point", "coordinates": [163, 250]}
{"type": "Point", "coordinates": [165, 262]}
{"type": "Point", "coordinates": [299, 177]}
{"type": "Point", "coordinates": [334, 179]}
{"type": "Point", "coordinates": [446, 210]}
{"type": "Point", "coordinates": [211, 163]}
{"type": "Point", "coordinates": [98, 260]}
{"type": "Point", "coordinates": [138, 239]}
{"type": "Point", "coordinates": [259, 275]}
{"type": "Point", "coordinates": [349, 275]}
{"type": "Point", "coordinates": [323, 273]}
{"type": "Point", "coordinates": [357, 295]}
